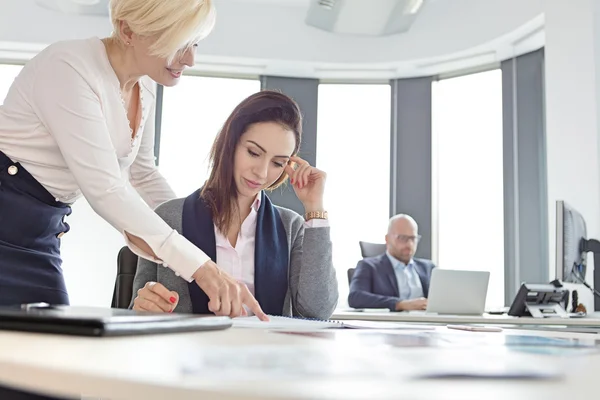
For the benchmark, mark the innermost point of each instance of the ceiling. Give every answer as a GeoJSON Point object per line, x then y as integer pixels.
{"type": "Point", "coordinates": [76, 7]}
{"type": "Point", "coordinates": [278, 37]}
{"type": "Point", "coordinates": [357, 17]}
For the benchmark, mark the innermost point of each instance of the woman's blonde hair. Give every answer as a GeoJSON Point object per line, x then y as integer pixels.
{"type": "Point", "coordinates": [175, 24]}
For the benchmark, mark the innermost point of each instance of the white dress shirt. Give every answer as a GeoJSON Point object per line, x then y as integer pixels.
{"type": "Point", "coordinates": [409, 284]}
{"type": "Point", "coordinates": [63, 119]}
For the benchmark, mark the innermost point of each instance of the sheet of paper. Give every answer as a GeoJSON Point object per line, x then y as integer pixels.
{"type": "Point", "coordinates": [285, 323]}
{"type": "Point", "coordinates": [272, 362]}
{"type": "Point", "coordinates": [369, 338]}
{"type": "Point", "coordinates": [277, 323]}
{"type": "Point", "coordinates": [360, 324]}
{"type": "Point", "coordinates": [488, 364]}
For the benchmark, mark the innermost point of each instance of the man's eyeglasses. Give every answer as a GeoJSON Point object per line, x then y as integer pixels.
{"type": "Point", "coordinates": [405, 238]}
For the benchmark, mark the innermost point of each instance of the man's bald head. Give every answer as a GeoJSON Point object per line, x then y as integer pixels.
{"type": "Point", "coordinates": [402, 237]}
{"type": "Point", "coordinates": [402, 220]}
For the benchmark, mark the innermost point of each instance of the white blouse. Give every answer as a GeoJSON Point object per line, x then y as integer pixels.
{"type": "Point", "coordinates": [64, 120]}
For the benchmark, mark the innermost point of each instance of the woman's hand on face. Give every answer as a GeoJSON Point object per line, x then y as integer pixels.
{"type": "Point", "coordinates": [156, 298]}
{"type": "Point", "coordinates": [308, 183]}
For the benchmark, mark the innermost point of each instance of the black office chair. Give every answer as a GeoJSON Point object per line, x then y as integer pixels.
{"type": "Point", "coordinates": [371, 249]}
{"type": "Point", "coordinates": [350, 274]}
{"type": "Point", "coordinates": [126, 267]}
{"type": "Point", "coordinates": [367, 250]}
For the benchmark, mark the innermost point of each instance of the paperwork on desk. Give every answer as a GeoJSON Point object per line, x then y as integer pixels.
{"type": "Point", "coordinates": [378, 353]}
{"type": "Point", "coordinates": [287, 323]}
{"type": "Point", "coordinates": [305, 361]}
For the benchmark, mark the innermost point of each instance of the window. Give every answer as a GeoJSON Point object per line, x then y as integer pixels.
{"type": "Point", "coordinates": [193, 113]}
{"type": "Point", "coordinates": [8, 73]}
{"type": "Point", "coordinates": [468, 177]}
{"type": "Point", "coordinates": [353, 148]}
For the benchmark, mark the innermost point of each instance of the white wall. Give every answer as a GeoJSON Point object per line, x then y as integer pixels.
{"type": "Point", "coordinates": [572, 104]}
{"type": "Point", "coordinates": [89, 251]}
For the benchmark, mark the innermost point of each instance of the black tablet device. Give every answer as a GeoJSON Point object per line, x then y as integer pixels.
{"type": "Point", "coordinates": [97, 321]}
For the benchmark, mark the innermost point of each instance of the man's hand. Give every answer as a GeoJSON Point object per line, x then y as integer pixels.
{"type": "Point", "coordinates": [413, 304]}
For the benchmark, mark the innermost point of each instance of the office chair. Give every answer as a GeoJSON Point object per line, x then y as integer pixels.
{"type": "Point", "coordinates": [126, 267]}
{"type": "Point", "coordinates": [367, 250]}
{"type": "Point", "coordinates": [350, 274]}
{"type": "Point", "coordinates": [371, 249]}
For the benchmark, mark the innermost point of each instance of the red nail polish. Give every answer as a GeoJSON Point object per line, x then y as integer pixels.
{"type": "Point", "coordinates": [173, 299]}
{"type": "Point", "coordinates": [292, 181]}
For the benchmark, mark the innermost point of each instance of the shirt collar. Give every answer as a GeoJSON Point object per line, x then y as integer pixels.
{"type": "Point", "coordinates": [256, 203]}
{"type": "Point", "coordinates": [397, 263]}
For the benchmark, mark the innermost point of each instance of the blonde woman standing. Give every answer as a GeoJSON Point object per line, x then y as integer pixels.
{"type": "Point", "coordinates": [79, 121]}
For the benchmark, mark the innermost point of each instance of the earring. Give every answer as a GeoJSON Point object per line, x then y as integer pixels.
{"type": "Point", "coordinates": [128, 43]}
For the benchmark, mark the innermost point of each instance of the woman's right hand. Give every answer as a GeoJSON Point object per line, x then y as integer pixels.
{"type": "Point", "coordinates": [155, 297]}
{"type": "Point", "coordinates": [227, 296]}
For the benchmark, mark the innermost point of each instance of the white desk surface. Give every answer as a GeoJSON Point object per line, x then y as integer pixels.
{"type": "Point", "coordinates": [589, 321]}
{"type": "Point", "coordinates": [149, 367]}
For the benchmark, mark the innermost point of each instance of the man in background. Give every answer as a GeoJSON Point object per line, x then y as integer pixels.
{"type": "Point", "coordinates": [394, 279]}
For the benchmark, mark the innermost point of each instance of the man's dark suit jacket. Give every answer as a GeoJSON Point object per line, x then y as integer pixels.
{"type": "Point", "coordinates": [374, 283]}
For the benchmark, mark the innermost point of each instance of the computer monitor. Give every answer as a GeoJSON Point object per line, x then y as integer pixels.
{"type": "Point", "coordinates": [570, 230]}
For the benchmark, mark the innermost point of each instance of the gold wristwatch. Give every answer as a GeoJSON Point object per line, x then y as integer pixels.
{"type": "Point", "coordinates": [315, 215]}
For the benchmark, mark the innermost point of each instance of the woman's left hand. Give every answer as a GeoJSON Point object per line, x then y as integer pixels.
{"type": "Point", "coordinates": [308, 183]}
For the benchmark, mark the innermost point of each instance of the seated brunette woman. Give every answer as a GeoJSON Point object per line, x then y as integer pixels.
{"type": "Point", "coordinates": [284, 259]}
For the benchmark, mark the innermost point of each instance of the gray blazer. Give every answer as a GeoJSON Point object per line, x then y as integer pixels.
{"type": "Point", "coordinates": [312, 285]}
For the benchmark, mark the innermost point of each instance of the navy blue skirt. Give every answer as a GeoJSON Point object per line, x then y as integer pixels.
{"type": "Point", "coordinates": [32, 222]}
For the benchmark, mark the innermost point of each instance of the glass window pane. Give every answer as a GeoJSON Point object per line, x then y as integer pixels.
{"type": "Point", "coordinates": [193, 113]}
{"type": "Point", "coordinates": [468, 176]}
{"type": "Point", "coordinates": [353, 148]}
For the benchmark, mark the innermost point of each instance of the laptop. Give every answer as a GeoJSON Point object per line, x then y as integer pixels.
{"type": "Point", "coordinates": [457, 292]}
{"type": "Point", "coordinates": [98, 321]}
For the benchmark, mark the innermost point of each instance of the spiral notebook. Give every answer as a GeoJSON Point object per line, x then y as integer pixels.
{"type": "Point", "coordinates": [297, 323]}
{"type": "Point", "coordinates": [279, 322]}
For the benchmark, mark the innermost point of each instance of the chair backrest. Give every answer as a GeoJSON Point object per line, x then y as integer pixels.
{"type": "Point", "coordinates": [371, 249]}
{"type": "Point", "coordinates": [126, 267]}
{"type": "Point", "coordinates": [350, 274]}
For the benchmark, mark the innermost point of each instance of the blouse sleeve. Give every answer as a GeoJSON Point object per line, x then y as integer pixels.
{"type": "Point", "coordinates": [72, 112]}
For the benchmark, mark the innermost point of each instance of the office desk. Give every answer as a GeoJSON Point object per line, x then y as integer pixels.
{"type": "Point", "coordinates": [590, 321]}
{"type": "Point", "coordinates": [153, 367]}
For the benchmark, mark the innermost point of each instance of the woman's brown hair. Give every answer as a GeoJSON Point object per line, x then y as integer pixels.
{"type": "Point", "coordinates": [220, 191]}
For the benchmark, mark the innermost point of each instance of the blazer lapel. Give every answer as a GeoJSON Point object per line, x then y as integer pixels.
{"type": "Point", "coordinates": [197, 226]}
{"type": "Point", "coordinates": [422, 273]}
{"type": "Point", "coordinates": [388, 270]}
{"type": "Point", "coordinates": [271, 259]}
